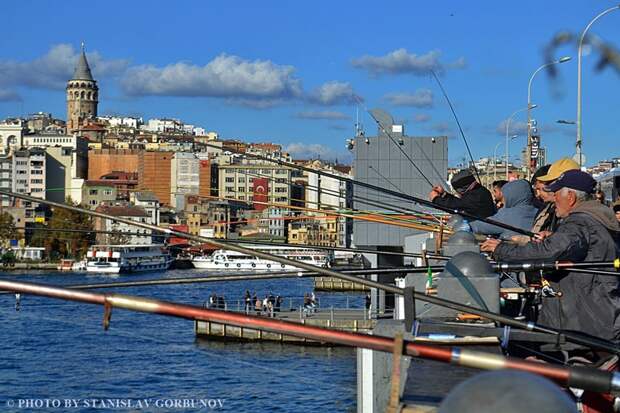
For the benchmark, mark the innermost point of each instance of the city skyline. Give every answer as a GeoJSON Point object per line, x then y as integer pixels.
{"type": "Point", "coordinates": [293, 74]}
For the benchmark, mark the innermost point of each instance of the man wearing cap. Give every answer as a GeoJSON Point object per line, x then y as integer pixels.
{"type": "Point", "coordinates": [546, 218]}
{"type": "Point", "coordinates": [473, 198]}
{"type": "Point", "coordinates": [588, 231]}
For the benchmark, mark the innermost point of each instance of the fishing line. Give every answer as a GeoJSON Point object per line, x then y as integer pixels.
{"type": "Point", "coordinates": [389, 135]}
{"type": "Point", "coordinates": [458, 123]}
{"type": "Point", "coordinates": [398, 189]}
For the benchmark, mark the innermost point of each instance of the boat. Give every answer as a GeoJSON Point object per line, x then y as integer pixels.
{"type": "Point", "coordinates": [65, 265]}
{"type": "Point", "coordinates": [233, 260]}
{"type": "Point", "coordinates": [116, 259]}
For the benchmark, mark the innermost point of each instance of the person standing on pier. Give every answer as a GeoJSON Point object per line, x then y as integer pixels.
{"type": "Point", "coordinates": [258, 305]}
{"type": "Point", "coordinates": [248, 301]}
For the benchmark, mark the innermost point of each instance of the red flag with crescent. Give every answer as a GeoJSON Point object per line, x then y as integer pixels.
{"type": "Point", "coordinates": [261, 193]}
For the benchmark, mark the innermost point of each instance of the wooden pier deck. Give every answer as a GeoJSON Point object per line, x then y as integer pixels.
{"type": "Point", "coordinates": [337, 284]}
{"type": "Point", "coordinates": [353, 320]}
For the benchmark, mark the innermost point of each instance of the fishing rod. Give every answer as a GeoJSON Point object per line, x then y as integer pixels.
{"type": "Point", "coordinates": [578, 338]}
{"type": "Point", "coordinates": [389, 135]}
{"type": "Point", "coordinates": [557, 265]}
{"type": "Point", "coordinates": [368, 218]}
{"type": "Point", "coordinates": [243, 276]}
{"type": "Point", "coordinates": [586, 378]}
{"type": "Point", "coordinates": [331, 192]}
{"type": "Point", "coordinates": [338, 208]}
{"type": "Point", "coordinates": [458, 123]}
{"type": "Point", "coordinates": [387, 191]}
{"type": "Point", "coordinates": [86, 231]}
{"type": "Point", "coordinates": [395, 187]}
{"type": "Point", "coordinates": [268, 243]}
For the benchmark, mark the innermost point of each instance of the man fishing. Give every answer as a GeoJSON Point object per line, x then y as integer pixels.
{"type": "Point", "coordinates": [588, 231]}
{"type": "Point", "coordinates": [472, 198]}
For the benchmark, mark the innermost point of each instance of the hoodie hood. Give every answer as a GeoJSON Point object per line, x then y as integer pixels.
{"type": "Point", "coordinates": [603, 214]}
{"type": "Point", "coordinates": [517, 193]}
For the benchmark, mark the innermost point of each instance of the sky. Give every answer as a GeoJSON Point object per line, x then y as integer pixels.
{"type": "Point", "coordinates": [299, 73]}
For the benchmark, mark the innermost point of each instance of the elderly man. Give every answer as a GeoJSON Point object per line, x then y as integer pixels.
{"type": "Point", "coordinates": [472, 197]}
{"type": "Point", "coordinates": [588, 231]}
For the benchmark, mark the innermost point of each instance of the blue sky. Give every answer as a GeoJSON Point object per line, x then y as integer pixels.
{"type": "Point", "coordinates": [291, 72]}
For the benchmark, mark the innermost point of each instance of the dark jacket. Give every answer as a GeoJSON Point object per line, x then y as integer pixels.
{"type": "Point", "coordinates": [477, 201]}
{"type": "Point", "coordinates": [545, 219]}
{"type": "Point", "coordinates": [518, 211]}
{"type": "Point", "coordinates": [590, 303]}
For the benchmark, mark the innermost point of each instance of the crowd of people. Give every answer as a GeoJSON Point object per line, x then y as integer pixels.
{"type": "Point", "coordinates": [571, 221]}
{"type": "Point", "coordinates": [268, 305]}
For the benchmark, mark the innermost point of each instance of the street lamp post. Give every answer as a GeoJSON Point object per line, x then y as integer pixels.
{"type": "Point", "coordinates": [508, 130]}
{"type": "Point", "coordinates": [578, 149]}
{"type": "Point", "coordinates": [513, 137]}
{"type": "Point", "coordinates": [529, 107]}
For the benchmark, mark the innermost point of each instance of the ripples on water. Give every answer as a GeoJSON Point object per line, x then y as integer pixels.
{"type": "Point", "coordinates": [58, 350]}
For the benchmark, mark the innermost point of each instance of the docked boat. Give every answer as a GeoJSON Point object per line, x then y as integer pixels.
{"type": "Point", "coordinates": [115, 259]}
{"type": "Point", "coordinates": [233, 260]}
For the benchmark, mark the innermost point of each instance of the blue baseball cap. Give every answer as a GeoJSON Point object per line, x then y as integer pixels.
{"type": "Point", "coordinates": [573, 179]}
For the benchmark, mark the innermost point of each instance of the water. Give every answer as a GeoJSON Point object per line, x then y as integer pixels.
{"type": "Point", "coordinates": [52, 351]}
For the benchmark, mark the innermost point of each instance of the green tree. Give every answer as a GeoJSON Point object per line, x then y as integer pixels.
{"type": "Point", "coordinates": [65, 243]}
{"type": "Point", "coordinates": [8, 231]}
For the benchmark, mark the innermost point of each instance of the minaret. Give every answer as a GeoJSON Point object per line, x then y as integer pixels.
{"type": "Point", "coordinates": [82, 95]}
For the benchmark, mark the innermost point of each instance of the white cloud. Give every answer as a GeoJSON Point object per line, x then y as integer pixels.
{"type": "Point", "coordinates": [334, 93]}
{"type": "Point", "coordinates": [515, 128]}
{"type": "Point", "coordinates": [7, 95]}
{"type": "Point", "coordinates": [259, 83]}
{"type": "Point", "coordinates": [401, 61]}
{"type": "Point", "coordinates": [421, 118]}
{"type": "Point", "coordinates": [52, 70]}
{"type": "Point", "coordinates": [442, 127]}
{"type": "Point", "coordinates": [300, 150]}
{"type": "Point", "coordinates": [422, 98]}
{"type": "Point", "coordinates": [322, 115]}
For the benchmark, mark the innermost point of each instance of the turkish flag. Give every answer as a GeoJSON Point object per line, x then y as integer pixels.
{"type": "Point", "coordinates": [261, 193]}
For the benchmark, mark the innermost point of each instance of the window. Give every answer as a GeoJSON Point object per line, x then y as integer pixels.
{"type": "Point", "coordinates": [280, 190]}
{"type": "Point", "coordinates": [93, 192]}
{"type": "Point", "coordinates": [230, 179]}
{"type": "Point", "coordinates": [241, 189]}
{"type": "Point", "coordinates": [229, 189]}
{"type": "Point", "coordinates": [107, 192]}
{"type": "Point", "coordinates": [36, 172]}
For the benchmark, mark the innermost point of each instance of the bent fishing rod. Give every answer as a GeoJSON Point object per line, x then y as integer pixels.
{"type": "Point", "coordinates": [586, 378]}
{"type": "Point", "coordinates": [445, 95]}
{"type": "Point", "coordinates": [577, 338]}
{"type": "Point", "coordinates": [383, 190]}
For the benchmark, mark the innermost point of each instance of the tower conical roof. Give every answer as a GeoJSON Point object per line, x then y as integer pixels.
{"type": "Point", "coordinates": [82, 70]}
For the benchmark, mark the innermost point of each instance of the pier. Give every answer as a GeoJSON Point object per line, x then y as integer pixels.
{"type": "Point", "coordinates": [337, 284]}
{"type": "Point", "coordinates": [353, 320]}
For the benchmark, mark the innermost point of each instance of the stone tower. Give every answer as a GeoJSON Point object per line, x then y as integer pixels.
{"type": "Point", "coordinates": [82, 95]}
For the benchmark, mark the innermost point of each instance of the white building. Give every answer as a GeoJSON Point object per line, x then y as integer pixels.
{"type": "Point", "coordinates": [164, 125]}
{"type": "Point", "coordinates": [149, 203]}
{"type": "Point", "coordinates": [184, 178]}
{"type": "Point", "coordinates": [126, 121]}
{"type": "Point", "coordinates": [126, 234]}
{"type": "Point", "coordinates": [11, 133]}
{"type": "Point", "coordinates": [66, 166]}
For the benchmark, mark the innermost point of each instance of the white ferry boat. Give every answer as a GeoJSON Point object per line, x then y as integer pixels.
{"type": "Point", "coordinates": [232, 260]}
{"type": "Point", "coordinates": [127, 258]}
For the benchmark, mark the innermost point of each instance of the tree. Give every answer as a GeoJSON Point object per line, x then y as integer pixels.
{"type": "Point", "coordinates": [70, 244]}
{"type": "Point", "coordinates": [8, 230]}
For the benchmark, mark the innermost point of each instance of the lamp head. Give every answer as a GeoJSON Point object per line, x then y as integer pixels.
{"type": "Point", "coordinates": [564, 59]}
